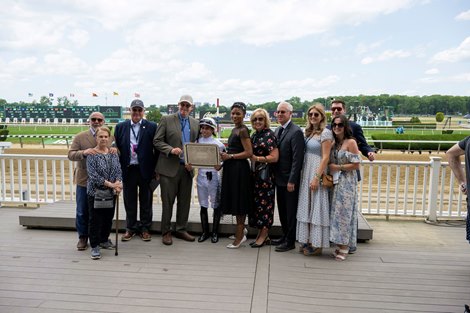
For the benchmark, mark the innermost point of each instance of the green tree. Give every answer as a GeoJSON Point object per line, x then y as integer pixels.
{"type": "Point", "coordinates": [439, 117]}
{"type": "Point", "coordinates": [64, 101]}
{"type": "Point", "coordinates": [153, 114]}
{"type": "Point", "coordinates": [46, 101]}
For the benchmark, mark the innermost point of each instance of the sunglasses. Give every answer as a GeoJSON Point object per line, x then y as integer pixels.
{"type": "Point", "coordinates": [336, 109]}
{"type": "Point", "coordinates": [258, 119]}
{"type": "Point", "coordinates": [95, 119]}
{"type": "Point", "coordinates": [281, 112]}
{"type": "Point", "coordinates": [185, 104]}
{"type": "Point", "coordinates": [137, 109]}
{"type": "Point", "coordinates": [316, 114]}
{"type": "Point", "coordinates": [340, 125]}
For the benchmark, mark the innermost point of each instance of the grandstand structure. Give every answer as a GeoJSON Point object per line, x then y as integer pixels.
{"type": "Point", "coordinates": [57, 114]}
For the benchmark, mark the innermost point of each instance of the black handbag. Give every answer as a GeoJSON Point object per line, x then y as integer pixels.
{"type": "Point", "coordinates": [104, 199]}
{"type": "Point", "coordinates": [263, 172]}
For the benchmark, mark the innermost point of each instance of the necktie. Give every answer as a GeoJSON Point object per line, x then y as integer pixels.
{"type": "Point", "coordinates": [280, 132]}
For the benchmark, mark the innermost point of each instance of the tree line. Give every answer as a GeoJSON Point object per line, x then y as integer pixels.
{"type": "Point", "coordinates": [397, 104]}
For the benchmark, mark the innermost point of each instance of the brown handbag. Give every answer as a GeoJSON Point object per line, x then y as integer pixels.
{"type": "Point", "coordinates": [327, 180]}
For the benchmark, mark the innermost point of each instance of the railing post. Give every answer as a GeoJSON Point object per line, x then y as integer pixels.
{"type": "Point", "coordinates": [433, 188]}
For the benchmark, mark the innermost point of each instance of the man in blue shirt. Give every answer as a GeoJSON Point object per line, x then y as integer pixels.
{"type": "Point", "coordinates": [176, 178]}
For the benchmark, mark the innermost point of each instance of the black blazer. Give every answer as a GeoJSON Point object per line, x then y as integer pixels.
{"type": "Point", "coordinates": [146, 153]}
{"type": "Point", "coordinates": [359, 136]}
{"type": "Point", "coordinates": [291, 155]}
{"type": "Point", "coordinates": [360, 139]}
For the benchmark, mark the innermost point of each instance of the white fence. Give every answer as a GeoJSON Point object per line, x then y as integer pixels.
{"type": "Point", "coordinates": [404, 188]}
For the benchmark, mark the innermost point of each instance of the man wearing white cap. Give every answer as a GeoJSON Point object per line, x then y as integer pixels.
{"type": "Point", "coordinates": [175, 178]}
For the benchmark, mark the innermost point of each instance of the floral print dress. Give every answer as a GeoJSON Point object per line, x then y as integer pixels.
{"type": "Point", "coordinates": [261, 216]}
{"type": "Point", "coordinates": [344, 201]}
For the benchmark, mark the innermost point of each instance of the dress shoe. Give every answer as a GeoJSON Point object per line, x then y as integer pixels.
{"type": "Point", "coordinates": [215, 238]}
{"type": "Point", "coordinates": [145, 236]}
{"type": "Point", "coordinates": [285, 247]}
{"type": "Point", "coordinates": [184, 235]}
{"type": "Point", "coordinates": [82, 243]}
{"type": "Point", "coordinates": [245, 232]}
{"type": "Point", "coordinates": [203, 237]}
{"type": "Point", "coordinates": [266, 241]}
{"type": "Point", "coordinates": [277, 242]}
{"type": "Point", "coordinates": [166, 239]}
{"type": "Point", "coordinates": [232, 246]}
{"type": "Point", "coordinates": [127, 236]}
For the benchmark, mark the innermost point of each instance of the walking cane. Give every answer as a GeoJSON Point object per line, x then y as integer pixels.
{"type": "Point", "coordinates": [117, 223]}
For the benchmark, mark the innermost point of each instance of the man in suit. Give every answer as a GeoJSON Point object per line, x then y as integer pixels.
{"type": "Point", "coordinates": [291, 146]}
{"type": "Point", "coordinates": [82, 146]}
{"type": "Point", "coordinates": [176, 178]}
{"type": "Point", "coordinates": [338, 107]}
{"type": "Point", "coordinates": [134, 139]}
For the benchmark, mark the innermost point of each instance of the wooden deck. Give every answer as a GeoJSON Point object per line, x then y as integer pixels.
{"type": "Point", "coordinates": [409, 266]}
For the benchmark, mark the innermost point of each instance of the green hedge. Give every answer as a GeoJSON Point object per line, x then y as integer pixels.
{"type": "Point", "coordinates": [416, 146]}
{"type": "Point", "coordinates": [414, 125]}
{"type": "Point", "coordinates": [3, 134]}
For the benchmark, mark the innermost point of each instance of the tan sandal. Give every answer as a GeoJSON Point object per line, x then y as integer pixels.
{"type": "Point", "coordinates": [341, 255]}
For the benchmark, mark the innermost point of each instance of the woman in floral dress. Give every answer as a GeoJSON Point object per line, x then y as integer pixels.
{"type": "Point", "coordinates": [345, 160]}
{"type": "Point", "coordinates": [265, 152]}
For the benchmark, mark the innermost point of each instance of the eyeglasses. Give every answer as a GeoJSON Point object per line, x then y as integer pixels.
{"type": "Point", "coordinates": [185, 104]}
{"type": "Point", "coordinates": [336, 109]}
{"type": "Point", "coordinates": [316, 114]}
{"type": "Point", "coordinates": [137, 109]}
{"type": "Point", "coordinates": [258, 119]}
{"type": "Point", "coordinates": [281, 112]}
{"type": "Point", "coordinates": [96, 119]}
{"type": "Point", "coordinates": [340, 125]}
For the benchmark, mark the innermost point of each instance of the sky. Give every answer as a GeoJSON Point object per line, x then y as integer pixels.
{"type": "Point", "coordinates": [243, 50]}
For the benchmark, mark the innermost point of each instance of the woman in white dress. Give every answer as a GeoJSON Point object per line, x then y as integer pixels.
{"type": "Point", "coordinates": [313, 216]}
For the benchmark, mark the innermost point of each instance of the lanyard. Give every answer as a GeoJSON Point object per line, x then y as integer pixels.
{"type": "Point", "coordinates": [133, 132]}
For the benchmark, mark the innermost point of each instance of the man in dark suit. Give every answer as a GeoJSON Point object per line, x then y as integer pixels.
{"type": "Point", "coordinates": [134, 139]}
{"type": "Point", "coordinates": [338, 107]}
{"type": "Point", "coordinates": [176, 178]}
{"type": "Point", "coordinates": [291, 146]}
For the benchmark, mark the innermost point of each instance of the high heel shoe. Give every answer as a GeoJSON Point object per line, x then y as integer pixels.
{"type": "Point", "coordinates": [266, 242]}
{"type": "Point", "coordinates": [232, 246]}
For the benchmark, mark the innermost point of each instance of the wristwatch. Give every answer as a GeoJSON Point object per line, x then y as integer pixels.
{"type": "Point", "coordinates": [231, 156]}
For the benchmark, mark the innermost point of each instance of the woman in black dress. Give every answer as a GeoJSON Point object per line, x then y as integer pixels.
{"type": "Point", "coordinates": [265, 152]}
{"type": "Point", "coordinates": [236, 178]}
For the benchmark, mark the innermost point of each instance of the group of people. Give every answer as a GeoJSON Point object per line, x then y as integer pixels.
{"type": "Point", "coordinates": [294, 164]}
{"type": "Point", "coordinates": [254, 167]}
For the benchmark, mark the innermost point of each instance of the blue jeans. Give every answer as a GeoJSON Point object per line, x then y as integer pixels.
{"type": "Point", "coordinates": [82, 215]}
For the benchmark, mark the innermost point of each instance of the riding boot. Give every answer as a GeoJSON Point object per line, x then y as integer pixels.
{"type": "Point", "coordinates": [205, 225]}
{"type": "Point", "coordinates": [215, 226]}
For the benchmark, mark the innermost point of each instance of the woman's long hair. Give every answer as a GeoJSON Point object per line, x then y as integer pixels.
{"type": "Point", "coordinates": [347, 128]}
{"type": "Point", "coordinates": [310, 130]}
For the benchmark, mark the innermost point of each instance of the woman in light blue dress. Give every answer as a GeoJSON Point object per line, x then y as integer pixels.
{"type": "Point", "coordinates": [344, 161]}
{"type": "Point", "coordinates": [313, 214]}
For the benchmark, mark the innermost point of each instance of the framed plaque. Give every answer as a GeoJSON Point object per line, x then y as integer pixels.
{"type": "Point", "coordinates": [201, 155]}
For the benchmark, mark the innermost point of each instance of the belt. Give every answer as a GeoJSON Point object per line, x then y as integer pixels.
{"type": "Point", "coordinates": [133, 165]}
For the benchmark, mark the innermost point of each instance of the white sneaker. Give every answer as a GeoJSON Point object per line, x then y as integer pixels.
{"type": "Point", "coordinates": [245, 232]}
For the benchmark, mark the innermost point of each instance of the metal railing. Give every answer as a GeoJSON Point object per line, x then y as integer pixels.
{"type": "Point", "coordinates": [402, 188]}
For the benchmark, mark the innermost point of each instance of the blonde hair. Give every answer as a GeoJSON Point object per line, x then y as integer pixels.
{"type": "Point", "coordinates": [104, 129]}
{"type": "Point", "coordinates": [310, 130]}
{"type": "Point", "coordinates": [263, 113]}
